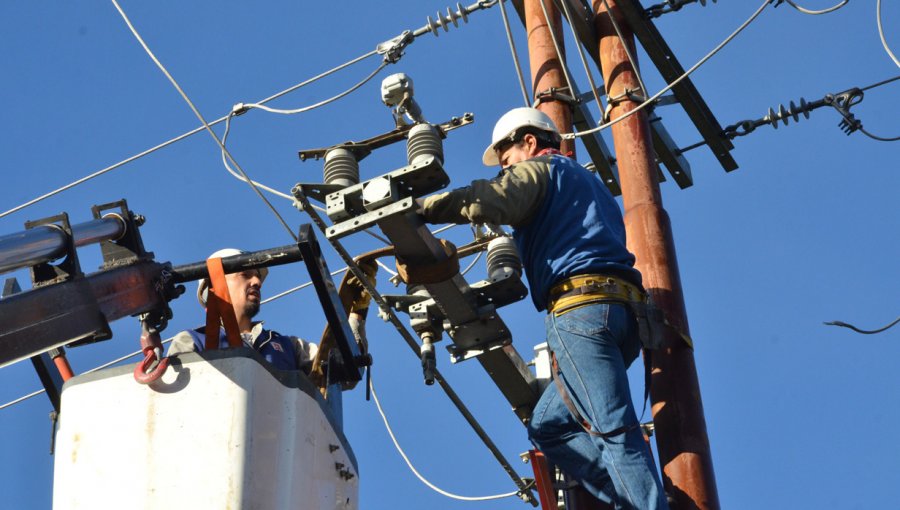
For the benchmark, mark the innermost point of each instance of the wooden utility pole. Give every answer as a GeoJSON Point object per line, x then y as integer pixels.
{"type": "Point", "coordinates": [546, 67]}
{"type": "Point", "coordinates": [682, 442]}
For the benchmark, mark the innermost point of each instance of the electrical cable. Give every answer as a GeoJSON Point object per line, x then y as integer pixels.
{"type": "Point", "coordinates": [881, 34]}
{"type": "Point", "coordinates": [182, 136]}
{"type": "Point", "coordinates": [202, 120]}
{"type": "Point", "coordinates": [101, 367]}
{"type": "Point", "coordinates": [574, 135]}
{"type": "Point", "coordinates": [391, 316]}
{"type": "Point", "coordinates": [323, 102]}
{"type": "Point", "coordinates": [587, 69]}
{"type": "Point", "coordinates": [863, 331]}
{"type": "Point", "coordinates": [823, 11]}
{"type": "Point", "coordinates": [625, 46]}
{"type": "Point", "coordinates": [556, 47]}
{"type": "Point", "coordinates": [879, 138]}
{"type": "Point", "coordinates": [412, 468]}
{"type": "Point", "coordinates": [472, 264]}
{"type": "Point", "coordinates": [515, 54]}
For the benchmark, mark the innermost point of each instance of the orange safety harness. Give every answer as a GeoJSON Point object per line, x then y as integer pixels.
{"type": "Point", "coordinates": [219, 309]}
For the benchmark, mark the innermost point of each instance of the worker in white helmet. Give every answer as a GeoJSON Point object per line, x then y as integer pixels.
{"type": "Point", "coordinates": [245, 290]}
{"type": "Point", "coordinates": [571, 237]}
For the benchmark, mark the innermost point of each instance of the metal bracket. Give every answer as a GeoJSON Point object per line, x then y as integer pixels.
{"type": "Point", "coordinates": [129, 247]}
{"type": "Point", "coordinates": [46, 273]}
{"type": "Point", "coordinates": [365, 147]}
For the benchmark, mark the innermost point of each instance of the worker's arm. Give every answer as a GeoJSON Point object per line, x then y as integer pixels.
{"type": "Point", "coordinates": [305, 352]}
{"type": "Point", "coordinates": [511, 198]}
{"type": "Point", "coordinates": [183, 342]}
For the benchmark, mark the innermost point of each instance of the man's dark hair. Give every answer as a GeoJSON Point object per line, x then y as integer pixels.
{"type": "Point", "coordinates": [545, 139]}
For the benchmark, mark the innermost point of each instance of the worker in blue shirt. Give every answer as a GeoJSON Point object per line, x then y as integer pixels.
{"type": "Point", "coordinates": [245, 289]}
{"type": "Point", "coordinates": [570, 234]}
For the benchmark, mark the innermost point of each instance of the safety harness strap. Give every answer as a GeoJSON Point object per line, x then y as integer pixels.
{"type": "Point", "coordinates": [586, 425]}
{"type": "Point", "coordinates": [219, 309]}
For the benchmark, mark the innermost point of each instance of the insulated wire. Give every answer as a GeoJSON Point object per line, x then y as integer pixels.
{"type": "Point", "coordinates": [587, 69]}
{"type": "Point", "coordinates": [101, 367]}
{"type": "Point", "coordinates": [515, 54]}
{"type": "Point", "coordinates": [226, 155]}
{"type": "Point", "coordinates": [391, 317]}
{"type": "Point", "coordinates": [202, 120]}
{"type": "Point", "coordinates": [625, 46]}
{"type": "Point", "coordinates": [823, 11]}
{"type": "Point", "coordinates": [323, 102]}
{"type": "Point", "coordinates": [863, 331]}
{"type": "Point", "coordinates": [881, 34]}
{"type": "Point", "coordinates": [572, 136]}
{"type": "Point", "coordinates": [559, 54]}
{"type": "Point", "coordinates": [182, 136]}
{"type": "Point", "coordinates": [412, 468]}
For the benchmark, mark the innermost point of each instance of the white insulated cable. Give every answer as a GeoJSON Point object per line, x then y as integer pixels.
{"type": "Point", "coordinates": [413, 469]}
{"type": "Point", "coordinates": [201, 118]}
{"type": "Point", "coordinates": [572, 136]}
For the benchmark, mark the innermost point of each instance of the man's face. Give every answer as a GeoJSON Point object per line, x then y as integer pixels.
{"type": "Point", "coordinates": [517, 152]}
{"type": "Point", "coordinates": [244, 288]}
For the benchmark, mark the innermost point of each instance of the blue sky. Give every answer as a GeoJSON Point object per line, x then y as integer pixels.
{"type": "Point", "coordinates": [805, 231]}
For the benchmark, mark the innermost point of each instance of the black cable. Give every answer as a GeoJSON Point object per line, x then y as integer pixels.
{"type": "Point", "coordinates": [863, 331]}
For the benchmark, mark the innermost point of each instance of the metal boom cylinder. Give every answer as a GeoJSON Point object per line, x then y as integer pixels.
{"type": "Point", "coordinates": [46, 243]}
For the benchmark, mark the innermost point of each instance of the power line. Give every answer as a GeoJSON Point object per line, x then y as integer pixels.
{"type": "Point", "coordinates": [202, 120]}
{"type": "Point", "coordinates": [817, 12]}
{"type": "Point", "coordinates": [863, 331]}
{"type": "Point", "coordinates": [881, 34]}
{"type": "Point", "coordinates": [412, 468]}
{"type": "Point", "coordinates": [515, 54]}
{"type": "Point", "coordinates": [572, 136]}
{"type": "Point", "coordinates": [182, 136]}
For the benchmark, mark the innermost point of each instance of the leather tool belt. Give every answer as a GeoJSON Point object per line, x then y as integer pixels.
{"type": "Point", "coordinates": [581, 290]}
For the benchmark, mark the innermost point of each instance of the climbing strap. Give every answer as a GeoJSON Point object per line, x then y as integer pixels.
{"type": "Point", "coordinates": [219, 309]}
{"type": "Point", "coordinates": [585, 424]}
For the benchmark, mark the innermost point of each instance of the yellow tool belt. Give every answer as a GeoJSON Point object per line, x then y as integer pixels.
{"type": "Point", "coordinates": [584, 289]}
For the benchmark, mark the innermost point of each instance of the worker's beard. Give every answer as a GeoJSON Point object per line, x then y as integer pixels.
{"type": "Point", "coordinates": [251, 309]}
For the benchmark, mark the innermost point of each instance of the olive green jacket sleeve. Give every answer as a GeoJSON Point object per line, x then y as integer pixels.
{"type": "Point", "coordinates": [511, 198]}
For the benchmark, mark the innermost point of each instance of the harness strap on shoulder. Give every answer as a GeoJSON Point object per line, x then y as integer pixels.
{"type": "Point", "coordinates": [219, 308]}
{"type": "Point", "coordinates": [586, 425]}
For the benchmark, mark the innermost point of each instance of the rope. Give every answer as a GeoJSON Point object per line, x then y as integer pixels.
{"type": "Point", "coordinates": [200, 117]}
{"type": "Point", "coordinates": [515, 54]}
{"type": "Point", "coordinates": [823, 11]}
{"type": "Point", "coordinates": [572, 136]}
{"type": "Point", "coordinates": [881, 34]}
{"type": "Point", "coordinates": [412, 468]}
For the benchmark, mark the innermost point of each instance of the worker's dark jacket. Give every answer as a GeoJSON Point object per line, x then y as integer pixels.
{"type": "Point", "coordinates": [282, 352]}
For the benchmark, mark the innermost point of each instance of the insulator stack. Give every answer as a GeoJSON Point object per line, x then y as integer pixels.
{"type": "Point", "coordinates": [341, 167]}
{"type": "Point", "coordinates": [793, 112]}
{"type": "Point", "coordinates": [502, 254]}
{"type": "Point", "coordinates": [443, 21]}
{"type": "Point", "coordinates": [424, 141]}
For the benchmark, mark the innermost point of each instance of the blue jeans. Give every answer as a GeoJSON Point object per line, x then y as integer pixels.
{"type": "Point", "coordinates": [594, 345]}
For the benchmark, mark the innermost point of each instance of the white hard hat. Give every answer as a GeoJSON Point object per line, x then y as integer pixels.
{"type": "Point", "coordinates": [510, 122]}
{"type": "Point", "coordinates": [203, 285]}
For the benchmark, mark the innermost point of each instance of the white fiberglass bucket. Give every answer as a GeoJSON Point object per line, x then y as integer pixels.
{"type": "Point", "coordinates": [220, 430]}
